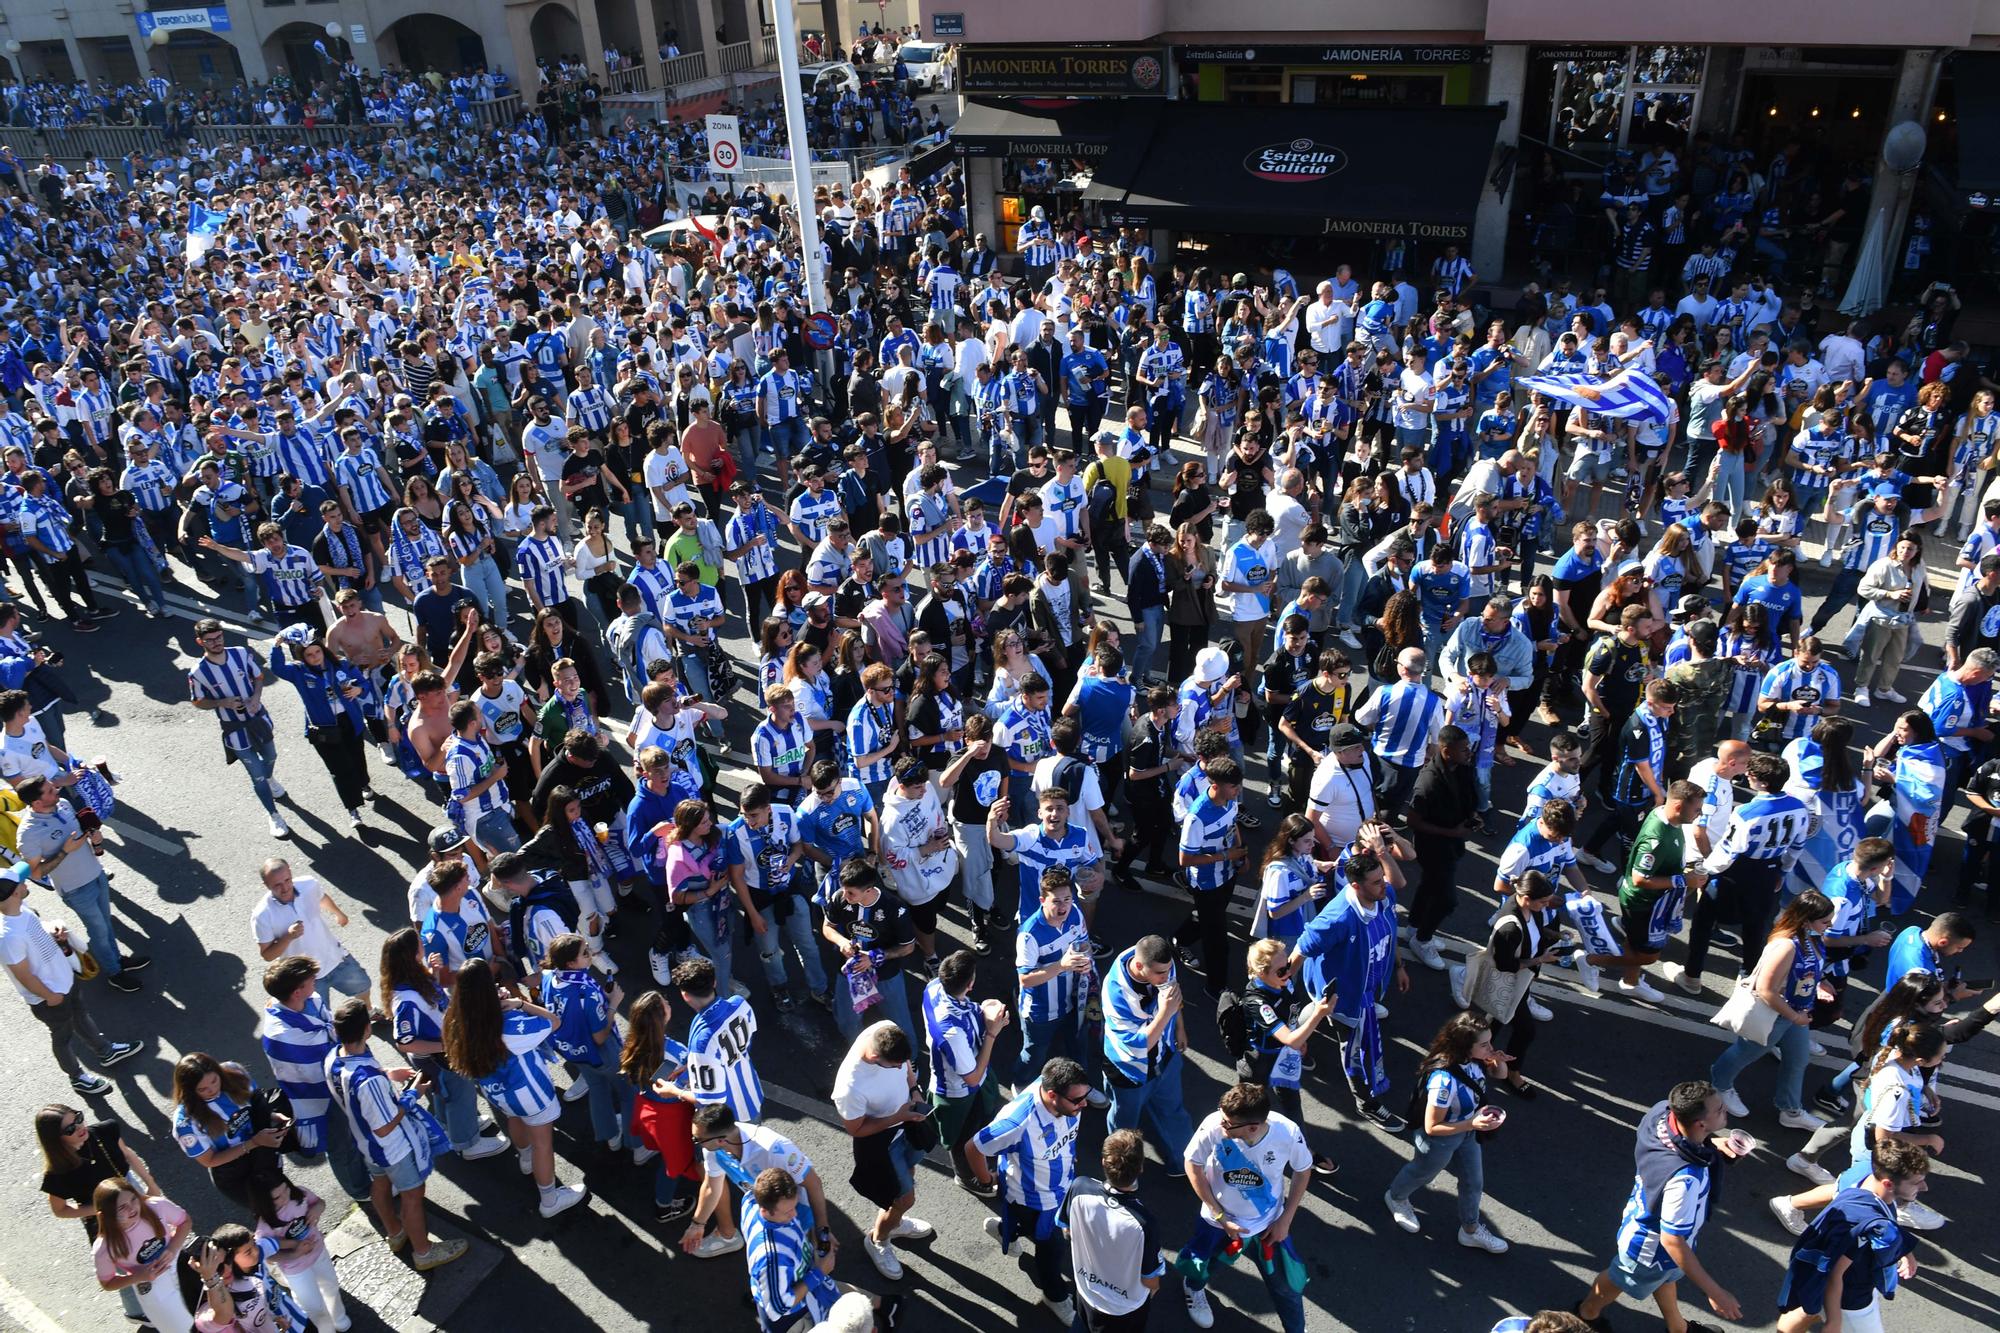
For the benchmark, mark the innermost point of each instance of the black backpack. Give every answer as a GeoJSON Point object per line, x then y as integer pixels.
{"type": "Point", "coordinates": [1068, 776]}
{"type": "Point", "coordinates": [550, 891]}
{"type": "Point", "coordinates": [1231, 1022]}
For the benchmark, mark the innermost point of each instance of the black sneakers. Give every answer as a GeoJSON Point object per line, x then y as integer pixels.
{"type": "Point", "coordinates": [1383, 1118]}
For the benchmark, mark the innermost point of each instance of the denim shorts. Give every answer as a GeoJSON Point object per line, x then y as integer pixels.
{"type": "Point", "coordinates": [1639, 1279]}
{"type": "Point", "coordinates": [404, 1175]}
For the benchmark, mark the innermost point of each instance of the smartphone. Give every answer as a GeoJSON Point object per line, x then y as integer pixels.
{"type": "Point", "coordinates": [1326, 992]}
{"type": "Point", "coordinates": [1976, 983]}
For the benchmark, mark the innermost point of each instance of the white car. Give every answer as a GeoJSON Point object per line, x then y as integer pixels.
{"type": "Point", "coordinates": [929, 70]}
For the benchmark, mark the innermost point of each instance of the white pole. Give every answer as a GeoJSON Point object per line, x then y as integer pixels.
{"type": "Point", "coordinates": [795, 134]}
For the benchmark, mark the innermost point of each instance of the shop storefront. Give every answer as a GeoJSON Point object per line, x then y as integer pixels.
{"type": "Point", "coordinates": [1334, 75]}
{"type": "Point", "coordinates": [1020, 151]}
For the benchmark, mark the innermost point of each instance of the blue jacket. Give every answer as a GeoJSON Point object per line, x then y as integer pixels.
{"type": "Point", "coordinates": [1336, 945]}
{"type": "Point", "coordinates": [646, 811]}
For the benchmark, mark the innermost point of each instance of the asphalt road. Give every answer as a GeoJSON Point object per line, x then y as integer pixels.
{"type": "Point", "coordinates": [185, 850]}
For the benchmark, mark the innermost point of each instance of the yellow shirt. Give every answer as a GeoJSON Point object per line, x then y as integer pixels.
{"type": "Point", "coordinates": [1117, 471]}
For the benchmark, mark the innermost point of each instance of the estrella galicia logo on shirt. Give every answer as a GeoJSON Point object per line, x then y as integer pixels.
{"type": "Point", "coordinates": [1243, 1178]}
{"type": "Point", "coordinates": [1295, 163]}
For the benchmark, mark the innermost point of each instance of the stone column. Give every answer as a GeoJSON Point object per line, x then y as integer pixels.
{"type": "Point", "coordinates": [1506, 81]}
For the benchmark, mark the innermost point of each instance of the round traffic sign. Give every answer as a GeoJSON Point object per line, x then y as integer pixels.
{"type": "Point", "coordinates": [725, 155]}
{"type": "Point", "coordinates": [820, 330]}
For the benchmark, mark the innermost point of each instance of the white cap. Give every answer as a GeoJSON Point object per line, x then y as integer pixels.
{"type": "Point", "coordinates": [1211, 665]}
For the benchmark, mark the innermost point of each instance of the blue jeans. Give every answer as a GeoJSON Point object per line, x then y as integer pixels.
{"type": "Point", "coordinates": [787, 438]}
{"type": "Point", "coordinates": [894, 1006]}
{"type": "Point", "coordinates": [494, 831]}
{"type": "Point", "coordinates": [1209, 1239]}
{"type": "Point", "coordinates": [694, 675]}
{"type": "Point", "coordinates": [715, 943]}
{"type": "Point", "coordinates": [1146, 641]}
{"type": "Point", "coordinates": [610, 1100]}
{"type": "Point", "coordinates": [1790, 1042]}
{"type": "Point", "coordinates": [456, 1102]}
{"type": "Point", "coordinates": [259, 761]}
{"type": "Point", "coordinates": [1461, 1153]}
{"type": "Point", "coordinates": [638, 515]}
{"type": "Point", "coordinates": [347, 977]}
{"type": "Point", "coordinates": [1156, 1102]}
{"type": "Point", "coordinates": [483, 580]}
{"type": "Point", "coordinates": [745, 442]}
{"type": "Point", "coordinates": [1729, 489]}
{"type": "Point", "coordinates": [1042, 1039]}
{"type": "Point", "coordinates": [794, 930]}
{"type": "Point", "coordinates": [92, 905]}
{"type": "Point", "coordinates": [349, 1168]}
{"type": "Point", "coordinates": [140, 574]}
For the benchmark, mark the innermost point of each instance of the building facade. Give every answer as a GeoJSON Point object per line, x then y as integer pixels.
{"type": "Point", "coordinates": [1578, 85]}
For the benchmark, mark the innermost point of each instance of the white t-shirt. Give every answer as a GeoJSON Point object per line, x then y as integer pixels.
{"type": "Point", "coordinates": [23, 939]}
{"type": "Point", "coordinates": [27, 755]}
{"type": "Point", "coordinates": [1235, 569]}
{"type": "Point", "coordinates": [545, 443]}
{"type": "Point", "coordinates": [861, 1090]}
{"type": "Point", "coordinates": [272, 919]}
{"type": "Point", "coordinates": [1282, 1149]}
{"type": "Point", "coordinates": [762, 1149]}
{"type": "Point", "coordinates": [658, 466]}
{"type": "Point", "coordinates": [1044, 777]}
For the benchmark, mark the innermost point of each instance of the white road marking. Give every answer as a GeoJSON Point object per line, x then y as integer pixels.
{"type": "Point", "coordinates": [15, 1304]}
{"type": "Point", "coordinates": [126, 833]}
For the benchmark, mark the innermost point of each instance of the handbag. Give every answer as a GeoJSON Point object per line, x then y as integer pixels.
{"type": "Point", "coordinates": [1746, 1014]}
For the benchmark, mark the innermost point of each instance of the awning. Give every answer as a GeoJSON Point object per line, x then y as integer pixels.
{"type": "Point", "coordinates": [1975, 82]}
{"type": "Point", "coordinates": [1047, 127]}
{"type": "Point", "coordinates": [1292, 169]}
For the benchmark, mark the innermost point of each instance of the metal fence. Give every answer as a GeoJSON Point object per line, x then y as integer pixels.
{"type": "Point", "coordinates": [735, 57]}
{"type": "Point", "coordinates": [631, 79]}
{"type": "Point", "coordinates": [683, 69]}
{"type": "Point", "coordinates": [77, 143]}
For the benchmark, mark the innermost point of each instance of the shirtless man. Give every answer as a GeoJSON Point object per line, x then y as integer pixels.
{"type": "Point", "coordinates": [430, 719]}
{"type": "Point", "coordinates": [361, 638]}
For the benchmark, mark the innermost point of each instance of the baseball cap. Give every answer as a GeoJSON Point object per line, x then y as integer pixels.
{"type": "Point", "coordinates": [813, 599]}
{"type": "Point", "coordinates": [1694, 604]}
{"type": "Point", "coordinates": [444, 838]}
{"type": "Point", "coordinates": [1344, 735]}
{"type": "Point", "coordinates": [1883, 491]}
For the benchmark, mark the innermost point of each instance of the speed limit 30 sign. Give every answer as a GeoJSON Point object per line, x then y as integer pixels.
{"type": "Point", "coordinates": [725, 144]}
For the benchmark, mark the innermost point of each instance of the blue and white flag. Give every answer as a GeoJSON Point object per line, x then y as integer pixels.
{"type": "Point", "coordinates": [204, 226]}
{"type": "Point", "coordinates": [321, 48]}
{"type": "Point", "coordinates": [1627, 396]}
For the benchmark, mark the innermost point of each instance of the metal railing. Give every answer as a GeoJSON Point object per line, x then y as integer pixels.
{"type": "Point", "coordinates": [684, 69]}
{"type": "Point", "coordinates": [110, 143]}
{"type": "Point", "coordinates": [734, 58]}
{"type": "Point", "coordinates": [497, 111]}
{"type": "Point", "coordinates": [767, 49]}
{"type": "Point", "coordinates": [631, 79]}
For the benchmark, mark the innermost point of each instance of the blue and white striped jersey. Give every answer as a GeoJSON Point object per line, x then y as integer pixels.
{"type": "Point", "coordinates": [1530, 850]}
{"type": "Point", "coordinates": [1073, 851]}
{"type": "Point", "coordinates": [360, 471]}
{"type": "Point", "coordinates": [371, 1102]}
{"type": "Point", "coordinates": [719, 1068]}
{"type": "Point", "coordinates": [236, 676]}
{"type": "Point", "coordinates": [1039, 943]}
{"type": "Point", "coordinates": [1209, 827]}
{"type": "Point", "coordinates": [783, 750]}
{"type": "Point", "coordinates": [1036, 1148]}
{"type": "Point", "coordinates": [540, 563]}
{"type": "Point", "coordinates": [1404, 719]}
{"type": "Point", "coordinates": [303, 454]}
{"type": "Point", "coordinates": [757, 563]}
{"type": "Point", "coordinates": [467, 760]}
{"type": "Point", "coordinates": [292, 579]}
{"type": "Point", "coordinates": [582, 1009]}
{"type": "Point", "coordinates": [590, 408]}
{"type": "Point", "coordinates": [1788, 681]}
{"type": "Point", "coordinates": [1129, 1006]}
{"type": "Point", "coordinates": [458, 936]}
{"type": "Point", "coordinates": [521, 1085]}
{"type": "Point", "coordinates": [870, 726]}
{"type": "Point", "coordinates": [954, 1030]}
{"type": "Point", "coordinates": [1771, 826]}
{"type": "Point", "coordinates": [780, 1256]}
{"type": "Point", "coordinates": [1683, 1207]}
{"type": "Point", "coordinates": [415, 1018]}
{"type": "Point", "coordinates": [297, 1044]}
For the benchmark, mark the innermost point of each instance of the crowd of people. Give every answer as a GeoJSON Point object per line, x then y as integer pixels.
{"type": "Point", "coordinates": [486, 474]}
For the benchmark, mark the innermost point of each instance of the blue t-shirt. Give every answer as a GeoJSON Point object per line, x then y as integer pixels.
{"type": "Point", "coordinates": [1441, 592]}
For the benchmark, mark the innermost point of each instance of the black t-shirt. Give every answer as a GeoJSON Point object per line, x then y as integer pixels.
{"type": "Point", "coordinates": [1150, 748]}
{"type": "Point", "coordinates": [1986, 784]}
{"type": "Point", "coordinates": [437, 612]}
{"type": "Point", "coordinates": [1286, 674]}
{"type": "Point", "coordinates": [1444, 796]}
{"type": "Point", "coordinates": [1621, 671]}
{"type": "Point", "coordinates": [603, 788]}
{"type": "Point", "coordinates": [851, 596]}
{"type": "Point", "coordinates": [117, 511]}
{"type": "Point", "coordinates": [1024, 480]}
{"type": "Point", "coordinates": [103, 1158]}
{"type": "Point", "coordinates": [883, 925]}
{"type": "Point", "coordinates": [588, 465]}
{"type": "Point", "coordinates": [1975, 623]}
{"type": "Point", "coordinates": [972, 799]}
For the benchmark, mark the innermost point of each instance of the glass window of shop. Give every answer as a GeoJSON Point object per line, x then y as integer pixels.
{"type": "Point", "coordinates": [1594, 101]}
{"type": "Point", "coordinates": [1368, 89]}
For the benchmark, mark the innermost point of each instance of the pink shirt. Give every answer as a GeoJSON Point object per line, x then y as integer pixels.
{"type": "Point", "coordinates": [294, 1227]}
{"type": "Point", "coordinates": [142, 1244]}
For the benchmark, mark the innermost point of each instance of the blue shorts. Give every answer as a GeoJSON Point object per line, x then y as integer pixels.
{"type": "Point", "coordinates": [1639, 1279]}
{"type": "Point", "coordinates": [404, 1175]}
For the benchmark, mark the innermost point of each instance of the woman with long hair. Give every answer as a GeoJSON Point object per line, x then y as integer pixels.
{"type": "Point", "coordinates": [239, 1294]}
{"type": "Point", "coordinates": [1287, 876]}
{"type": "Point", "coordinates": [517, 516]}
{"type": "Point", "coordinates": [1747, 647]}
{"type": "Point", "coordinates": [1012, 664]}
{"type": "Point", "coordinates": [791, 598]}
{"type": "Point", "coordinates": [1669, 565]}
{"type": "Point", "coordinates": [1912, 762]}
{"type": "Point", "coordinates": [498, 1042]}
{"type": "Point", "coordinates": [1824, 776]}
{"type": "Point", "coordinates": [1400, 626]}
{"type": "Point", "coordinates": [812, 691]}
{"type": "Point", "coordinates": [1451, 1090]}
{"type": "Point", "coordinates": [597, 564]}
{"type": "Point", "coordinates": [1521, 941]}
{"type": "Point", "coordinates": [847, 661]}
{"type": "Point", "coordinates": [469, 540]}
{"type": "Point", "coordinates": [1786, 978]}
{"type": "Point", "coordinates": [139, 1240]}
{"type": "Point", "coordinates": [550, 642]}
{"type": "Point", "coordinates": [935, 717]}
{"type": "Point", "coordinates": [214, 1122]}
{"type": "Point", "coordinates": [1537, 617]}
{"type": "Point", "coordinates": [566, 845]}
{"type": "Point", "coordinates": [1193, 501]}
{"type": "Point", "coordinates": [288, 1216]}
{"type": "Point", "coordinates": [415, 999]}
{"type": "Point", "coordinates": [1191, 579]}
{"type": "Point", "coordinates": [77, 1157]}
{"type": "Point", "coordinates": [775, 638]}
{"type": "Point", "coordinates": [655, 1066]}
{"type": "Point", "coordinates": [698, 887]}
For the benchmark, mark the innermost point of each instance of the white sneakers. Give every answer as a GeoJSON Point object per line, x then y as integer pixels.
{"type": "Point", "coordinates": [883, 1256]}
{"type": "Point", "coordinates": [354, 818]}
{"type": "Point", "coordinates": [1426, 952]}
{"type": "Point", "coordinates": [576, 1091]}
{"type": "Point", "coordinates": [1592, 861]}
{"type": "Point", "coordinates": [1892, 697]}
{"type": "Point", "coordinates": [1805, 1120]}
{"type": "Point", "coordinates": [1458, 996]}
{"type": "Point", "coordinates": [1481, 1238]}
{"type": "Point", "coordinates": [526, 1158]}
{"type": "Point", "coordinates": [642, 1154]}
{"type": "Point", "coordinates": [1198, 1310]}
{"type": "Point", "coordinates": [913, 1228]}
{"type": "Point", "coordinates": [714, 1245]}
{"type": "Point", "coordinates": [1920, 1216]}
{"type": "Point", "coordinates": [1539, 1011]}
{"type": "Point", "coordinates": [279, 828]}
{"type": "Point", "coordinates": [1686, 982]}
{"type": "Point", "coordinates": [1588, 973]}
{"type": "Point", "coordinates": [1861, 699]}
{"type": "Point", "coordinates": [1792, 1218]}
{"type": "Point", "coordinates": [486, 1145]}
{"type": "Point", "coordinates": [1733, 1102]}
{"type": "Point", "coordinates": [1406, 1216]}
{"type": "Point", "coordinates": [1801, 1165]}
{"type": "Point", "coordinates": [563, 1198]}
{"type": "Point", "coordinates": [1642, 989]}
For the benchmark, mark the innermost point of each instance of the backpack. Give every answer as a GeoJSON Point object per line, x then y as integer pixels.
{"type": "Point", "coordinates": [1068, 776]}
{"type": "Point", "coordinates": [1231, 1022]}
{"type": "Point", "coordinates": [623, 637]}
{"type": "Point", "coordinates": [550, 891]}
